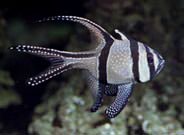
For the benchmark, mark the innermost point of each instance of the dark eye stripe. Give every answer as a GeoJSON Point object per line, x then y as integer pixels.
{"type": "Point", "coordinates": [135, 57]}
{"type": "Point", "coordinates": [150, 59]}
{"type": "Point", "coordinates": [151, 66]}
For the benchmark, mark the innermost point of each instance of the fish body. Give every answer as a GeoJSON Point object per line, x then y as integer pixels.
{"type": "Point", "coordinates": [113, 67]}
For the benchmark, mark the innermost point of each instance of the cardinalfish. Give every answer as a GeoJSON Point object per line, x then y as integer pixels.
{"type": "Point", "coordinates": [114, 67]}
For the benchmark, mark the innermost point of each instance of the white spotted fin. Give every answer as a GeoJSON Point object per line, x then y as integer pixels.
{"type": "Point", "coordinates": [100, 34]}
{"type": "Point", "coordinates": [61, 61]}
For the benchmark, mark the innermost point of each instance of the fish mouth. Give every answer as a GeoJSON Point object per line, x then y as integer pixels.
{"type": "Point", "coordinates": [160, 67]}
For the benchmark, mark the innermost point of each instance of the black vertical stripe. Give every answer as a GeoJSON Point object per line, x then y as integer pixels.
{"type": "Point", "coordinates": [135, 56]}
{"type": "Point", "coordinates": [151, 65]}
{"type": "Point", "coordinates": [103, 58]}
{"type": "Point", "coordinates": [105, 51]}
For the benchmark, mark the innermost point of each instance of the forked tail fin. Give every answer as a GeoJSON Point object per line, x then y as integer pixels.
{"type": "Point", "coordinates": [58, 59]}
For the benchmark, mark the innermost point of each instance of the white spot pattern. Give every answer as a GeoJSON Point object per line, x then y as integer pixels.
{"type": "Point", "coordinates": [119, 63]}
{"type": "Point", "coordinates": [44, 52]}
{"type": "Point", "coordinates": [58, 62]}
{"type": "Point", "coordinates": [48, 74]}
{"type": "Point", "coordinates": [94, 28]}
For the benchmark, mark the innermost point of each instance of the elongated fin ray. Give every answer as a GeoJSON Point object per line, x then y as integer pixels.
{"type": "Point", "coordinates": [58, 63]}
{"type": "Point", "coordinates": [48, 74]}
{"type": "Point", "coordinates": [124, 92]}
{"type": "Point", "coordinates": [47, 53]}
{"type": "Point", "coordinates": [51, 54]}
{"type": "Point", "coordinates": [102, 36]}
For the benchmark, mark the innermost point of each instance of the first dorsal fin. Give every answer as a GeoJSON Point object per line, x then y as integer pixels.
{"type": "Point", "coordinates": [123, 37]}
{"type": "Point", "coordinates": [101, 35]}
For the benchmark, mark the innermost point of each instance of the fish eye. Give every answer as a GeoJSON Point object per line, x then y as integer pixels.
{"type": "Point", "coordinates": [150, 59]}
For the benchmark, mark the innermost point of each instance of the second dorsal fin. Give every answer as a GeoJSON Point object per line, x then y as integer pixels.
{"type": "Point", "coordinates": [102, 37]}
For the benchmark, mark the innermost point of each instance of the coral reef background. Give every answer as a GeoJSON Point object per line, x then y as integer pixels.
{"type": "Point", "coordinates": [61, 105]}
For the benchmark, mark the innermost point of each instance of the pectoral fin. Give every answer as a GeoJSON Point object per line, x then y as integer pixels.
{"type": "Point", "coordinates": [124, 92]}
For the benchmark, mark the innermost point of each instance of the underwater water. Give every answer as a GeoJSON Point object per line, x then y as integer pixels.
{"type": "Point", "coordinates": [61, 105]}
